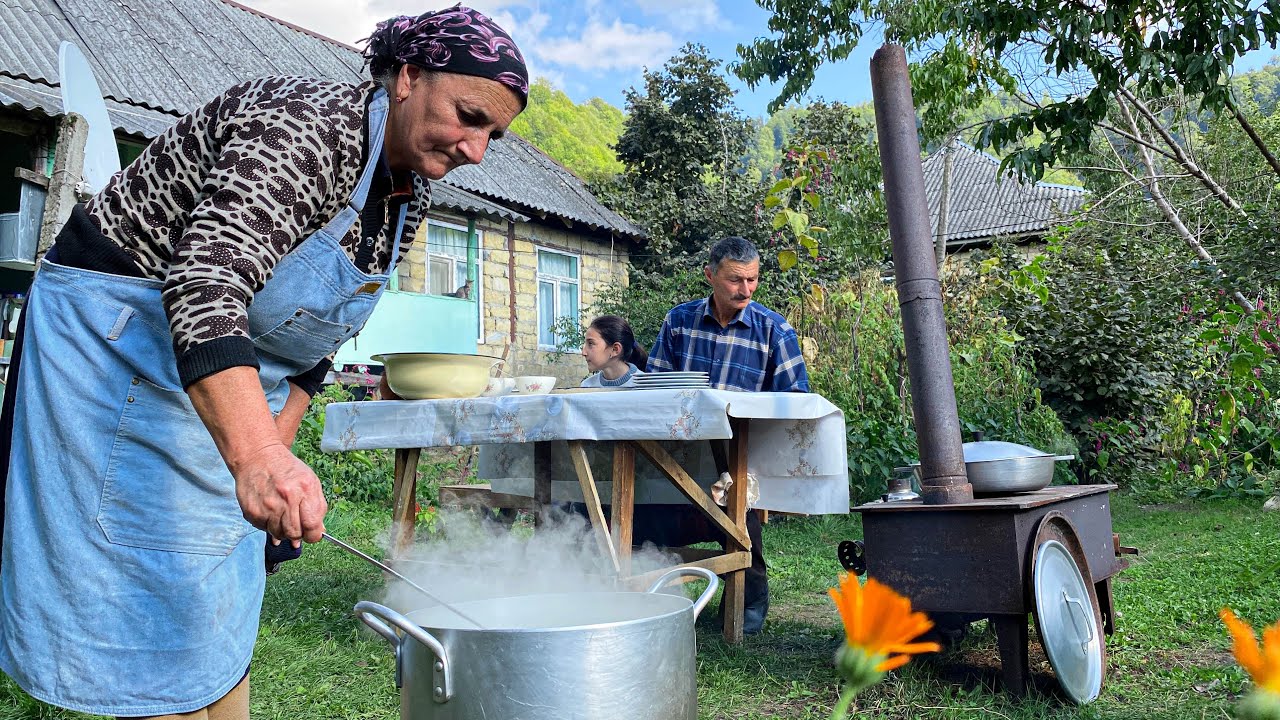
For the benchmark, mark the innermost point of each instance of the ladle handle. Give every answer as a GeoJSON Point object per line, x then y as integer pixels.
{"type": "Point", "coordinates": [377, 616]}
{"type": "Point", "coordinates": [713, 583]}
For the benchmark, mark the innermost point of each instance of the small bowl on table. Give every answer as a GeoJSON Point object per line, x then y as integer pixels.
{"type": "Point", "coordinates": [434, 376]}
{"type": "Point", "coordinates": [499, 386]}
{"type": "Point", "coordinates": [535, 384]}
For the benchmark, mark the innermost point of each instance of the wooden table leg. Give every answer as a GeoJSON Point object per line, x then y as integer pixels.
{"type": "Point", "coordinates": [600, 529]}
{"type": "Point", "coordinates": [404, 493]}
{"type": "Point", "coordinates": [622, 508]}
{"type": "Point", "coordinates": [1012, 635]}
{"type": "Point", "coordinates": [542, 460]}
{"type": "Point", "coordinates": [735, 582]}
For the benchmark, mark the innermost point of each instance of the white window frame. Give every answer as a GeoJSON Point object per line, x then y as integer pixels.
{"type": "Point", "coordinates": [453, 260]}
{"type": "Point", "coordinates": [556, 280]}
{"type": "Point", "coordinates": [477, 289]}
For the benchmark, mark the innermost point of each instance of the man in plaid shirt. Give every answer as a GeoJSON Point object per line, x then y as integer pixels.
{"type": "Point", "coordinates": [744, 346]}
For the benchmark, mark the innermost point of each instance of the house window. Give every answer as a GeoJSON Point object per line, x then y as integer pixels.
{"type": "Point", "coordinates": [557, 293]}
{"type": "Point", "coordinates": [447, 259]}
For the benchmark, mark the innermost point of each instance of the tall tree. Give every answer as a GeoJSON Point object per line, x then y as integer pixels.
{"type": "Point", "coordinates": [681, 148]}
{"type": "Point", "coordinates": [580, 137]}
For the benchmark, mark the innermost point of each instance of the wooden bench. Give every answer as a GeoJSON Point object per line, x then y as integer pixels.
{"type": "Point", "coordinates": [483, 497]}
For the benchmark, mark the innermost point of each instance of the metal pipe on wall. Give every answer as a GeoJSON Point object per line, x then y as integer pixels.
{"type": "Point", "coordinates": [933, 395]}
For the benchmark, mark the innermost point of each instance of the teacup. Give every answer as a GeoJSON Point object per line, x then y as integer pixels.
{"type": "Point", "coordinates": [499, 386]}
{"type": "Point", "coordinates": [535, 384]}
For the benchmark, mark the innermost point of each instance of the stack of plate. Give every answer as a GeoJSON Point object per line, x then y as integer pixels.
{"type": "Point", "coordinates": [652, 381]}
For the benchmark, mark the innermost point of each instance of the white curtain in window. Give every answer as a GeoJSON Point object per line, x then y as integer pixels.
{"type": "Point", "coordinates": [446, 241]}
{"type": "Point", "coordinates": [546, 312]}
{"type": "Point", "coordinates": [440, 275]}
{"type": "Point", "coordinates": [564, 266]}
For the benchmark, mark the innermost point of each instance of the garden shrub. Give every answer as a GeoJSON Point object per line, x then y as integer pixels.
{"type": "Point", "coordinates": [1166, 383]}
{"type": "Point", "coordinates": [366, 476]}
{"type": "Point", "coordinates": [861, 366]}
{"type": "Point", "coordinates": [852, 334]}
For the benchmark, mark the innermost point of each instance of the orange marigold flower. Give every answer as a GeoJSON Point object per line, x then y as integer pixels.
{"type": "Point", "coordinates": [1262, 664]}
{"type": "Point", "coordinates": [879, 628]}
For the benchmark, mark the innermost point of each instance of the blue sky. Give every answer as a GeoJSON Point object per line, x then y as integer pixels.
{"type": "Point", "coordinates": [599, 48]}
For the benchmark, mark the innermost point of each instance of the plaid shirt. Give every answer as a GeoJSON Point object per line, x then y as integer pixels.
{"type": "Point", "coordinates": [757, 351]}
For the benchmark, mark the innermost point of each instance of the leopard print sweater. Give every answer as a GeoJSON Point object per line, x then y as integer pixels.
{"type": "Point", "coordinates": [214, 203]}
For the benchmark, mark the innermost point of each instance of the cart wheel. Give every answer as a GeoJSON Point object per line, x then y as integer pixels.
{"type": "Point", "coordinates": [852, 556]}
{"type": "Point", "coordinates": [1055, 528]}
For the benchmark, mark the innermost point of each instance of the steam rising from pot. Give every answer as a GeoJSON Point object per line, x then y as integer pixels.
{"type": "Point", "coordinates": [476, 559]}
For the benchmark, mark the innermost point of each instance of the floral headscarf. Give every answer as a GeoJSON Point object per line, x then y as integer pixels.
{"type": "Point", "coordinates": [457, 40]}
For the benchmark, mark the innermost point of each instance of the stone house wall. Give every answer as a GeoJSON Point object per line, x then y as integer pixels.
{"type": "Point", "coordinates": [599, 262]}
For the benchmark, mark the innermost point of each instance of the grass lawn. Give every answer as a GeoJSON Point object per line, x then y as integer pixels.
{"type": "Point", "coordinates": [1169, 658]}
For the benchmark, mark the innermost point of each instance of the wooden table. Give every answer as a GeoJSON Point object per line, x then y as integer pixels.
{"type": "Point", "coordinates": [613, 534]}
{"type": "Point", "coordinates": [800, 451]}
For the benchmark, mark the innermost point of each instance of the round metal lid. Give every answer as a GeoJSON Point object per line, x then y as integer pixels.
{"type": "Point", "coordinates": [1068, 628]}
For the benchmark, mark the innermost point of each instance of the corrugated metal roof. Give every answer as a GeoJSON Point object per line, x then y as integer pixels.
{"type": "Point", "coordinates": [985, 204]}
{"type": "Point", "coordinates": [30, 31]}
{"type": "Point", "coordinates": [515, 171]}
{"type": "Point", "coordinates": [447, 196]}
{"type": "Point", "coordinates": [46, 100]}
{"type": "Point", "coordinates": [174, 55]}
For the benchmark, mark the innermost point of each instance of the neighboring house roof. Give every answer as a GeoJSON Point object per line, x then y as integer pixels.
{"type": "Point", "coordinates": [445, 195]}
{"type": "Point", "coordinates": [156, 60]}
{"type": "Point", "coordinates": [985, 204]}
{"type": "Point", "coordinates": [516, 172]}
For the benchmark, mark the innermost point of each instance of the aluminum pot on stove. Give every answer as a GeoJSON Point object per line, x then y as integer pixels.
{"type": "Point", "coordinates": [569, 656]}
{"type": "Point", "coordinates": [995, 467]}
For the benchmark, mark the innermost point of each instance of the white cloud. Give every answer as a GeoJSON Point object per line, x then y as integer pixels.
{"type": "Point", "coordinates": [619, 46]}
{"type": "Point", "coordinates": [703, 14]}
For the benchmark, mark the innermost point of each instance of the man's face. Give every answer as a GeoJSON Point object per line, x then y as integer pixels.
{"type": "Point", "coordinates": [733, 283]}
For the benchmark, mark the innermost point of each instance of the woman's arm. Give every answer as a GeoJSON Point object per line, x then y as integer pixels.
{"type": "Point", "coordinates": [277, 491]}
{"type": "Point", "coordinates": [290, 417]}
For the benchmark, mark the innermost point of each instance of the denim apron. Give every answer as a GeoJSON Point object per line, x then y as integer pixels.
{"type": "Point", "coordinates": [131, 582]}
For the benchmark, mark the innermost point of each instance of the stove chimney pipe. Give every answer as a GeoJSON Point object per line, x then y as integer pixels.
{"type": "Point", "coordinates": [933, 394]}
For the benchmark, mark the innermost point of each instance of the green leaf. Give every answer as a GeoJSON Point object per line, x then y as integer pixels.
{"type": "Point", "coordinates": [787, 259]}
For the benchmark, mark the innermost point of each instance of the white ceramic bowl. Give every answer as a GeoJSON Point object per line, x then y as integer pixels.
{"type": "Point", "coordinates": [499, 386]}
{"type": "Point", "coordinates": [431, 376]}
{"type": "Point", "coordinates": [535, 384]}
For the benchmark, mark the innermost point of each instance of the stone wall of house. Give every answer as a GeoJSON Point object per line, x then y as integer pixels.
{"type": "Point", "coordinates": [599, 262]}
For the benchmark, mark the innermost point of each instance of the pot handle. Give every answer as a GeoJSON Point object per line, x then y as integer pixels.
{"type": "Point", "coordinates": [713, 583]}
{"type": "Point", "coordinates": [374, 615]}
{"type": "Point", "coordinates": [1064, 457]}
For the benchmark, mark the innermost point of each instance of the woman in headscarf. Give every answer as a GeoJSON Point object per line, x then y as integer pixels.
{"type": "Point", "coordinates": [173, 338]}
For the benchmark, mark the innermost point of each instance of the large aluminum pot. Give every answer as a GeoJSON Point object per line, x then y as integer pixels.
{"type": "Point", "coordinates": [571, 656]}
{"type": "Point", "coordinates": [996, 467]}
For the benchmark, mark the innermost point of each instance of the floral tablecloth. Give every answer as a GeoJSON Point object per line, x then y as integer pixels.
{"type": "Point", "coordinates": [796, 444]}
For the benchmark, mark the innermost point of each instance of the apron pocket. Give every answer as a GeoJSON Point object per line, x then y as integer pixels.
{"type": "Point", "coordinates": [304, 336]}
{"type": "Point", "coordinates": [167, 487]}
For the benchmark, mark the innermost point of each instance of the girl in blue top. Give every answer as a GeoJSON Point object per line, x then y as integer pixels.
{"type": "Point", "coordinates": [612, 353]}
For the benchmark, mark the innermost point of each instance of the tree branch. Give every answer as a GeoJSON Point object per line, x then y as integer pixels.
{"type": "Point", "coordinates": [1171, 214]}
{"type": "Point", "coordinates": [1253, 134]}
{"type": "Point", "coordinates": [1179, 154]}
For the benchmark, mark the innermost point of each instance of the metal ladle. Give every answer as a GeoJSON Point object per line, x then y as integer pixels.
{"type": "Point", "coordinates": [387, 569]}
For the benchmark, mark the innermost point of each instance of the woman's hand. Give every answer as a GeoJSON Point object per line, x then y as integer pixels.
{"type": "Point", "coordinates": [280, 494]}
{"type": "Point", "coordinates": [277, 491]}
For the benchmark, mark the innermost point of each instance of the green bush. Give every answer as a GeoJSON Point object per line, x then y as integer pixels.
{"type": "Point", "coordinates": [366, 476]}
{"type": "Point", "coordinates": [362, 476]}
{"type": "Point", "coordinates": [857, 360]}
